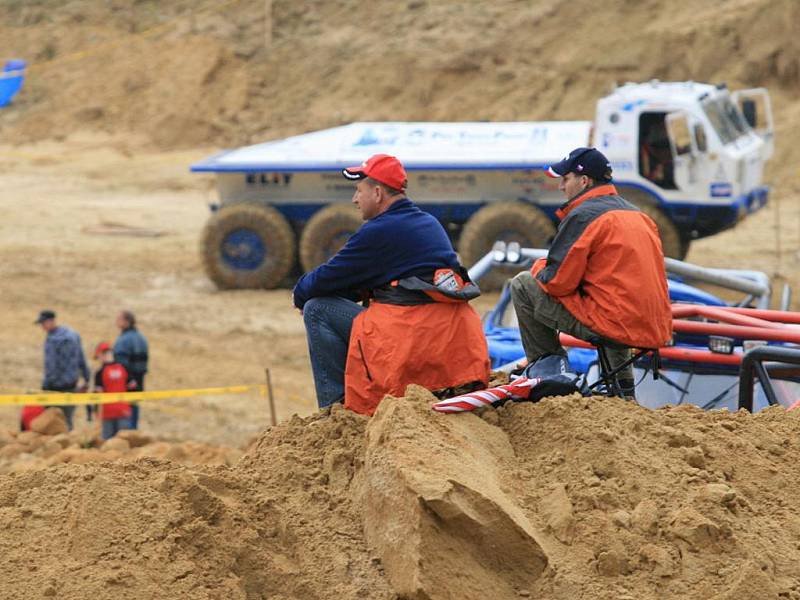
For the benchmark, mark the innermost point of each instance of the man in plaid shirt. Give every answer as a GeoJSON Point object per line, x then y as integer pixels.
{"type": "Point", "coordinates": [64, 361]}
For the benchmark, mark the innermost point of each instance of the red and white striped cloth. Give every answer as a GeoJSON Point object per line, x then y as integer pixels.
{"type": "Point", "coordinates": [520, 389]}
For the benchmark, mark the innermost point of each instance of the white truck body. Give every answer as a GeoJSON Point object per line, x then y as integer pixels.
{"type": "Point", "coordinates": [684, 149]}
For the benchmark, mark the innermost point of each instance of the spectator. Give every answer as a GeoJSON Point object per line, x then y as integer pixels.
{"type": "Point", "coordinates": [130, 350]}
{"type": "Point", "coordinates": [418, 328]}
{"type": "Point", "coordinates": [110, 378]}
{"type": "Point", "coordinates": [64, 361]}
{"type": "Point", "coordinates": [603, 278]}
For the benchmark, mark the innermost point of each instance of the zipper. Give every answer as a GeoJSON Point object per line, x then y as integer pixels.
{"type": "Point", "coordinates": [364, 360]}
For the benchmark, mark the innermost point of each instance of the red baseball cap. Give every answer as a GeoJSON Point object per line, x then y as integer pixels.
{"type": "Point", "coordinates": [101, 347]}
{"type": "Point", "coordinates": [381, 167]}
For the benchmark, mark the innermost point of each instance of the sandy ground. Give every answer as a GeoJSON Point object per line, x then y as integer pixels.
{"type": "Point", "coordinates": [53, 196]}
{"type": "Point", "coordinates": [56, 196]}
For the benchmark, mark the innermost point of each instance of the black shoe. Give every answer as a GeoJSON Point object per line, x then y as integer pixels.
{"type": "Point", "coordinates": [628, 389]}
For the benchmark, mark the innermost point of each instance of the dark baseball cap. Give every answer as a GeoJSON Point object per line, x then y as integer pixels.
{"type": "Point", "coordinates": [45, 315]}
{"type": "Point", "coordinates": [583, 161]}
{"type": "Point", "coordinates": [380, 167]}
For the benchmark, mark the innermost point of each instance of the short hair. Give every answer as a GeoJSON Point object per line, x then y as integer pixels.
{"type": "Point", "coordinates": [389, 190]}
{"type": "Point", "coordinates": [129, 317]}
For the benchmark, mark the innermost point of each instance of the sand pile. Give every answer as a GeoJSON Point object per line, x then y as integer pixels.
{"type": "Point", "coordinates": [571, 498]}
{"type": "Point", "coordinates": [50, 444]}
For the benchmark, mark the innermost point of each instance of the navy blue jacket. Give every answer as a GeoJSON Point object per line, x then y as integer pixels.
{"type": "Point", "coordinates": [130, 350]}
{"type": "Point", "coordinates": [402, 242]}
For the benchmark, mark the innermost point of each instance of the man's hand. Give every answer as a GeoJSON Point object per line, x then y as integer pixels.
{"type": "Point", "coordinates": [82, 389]}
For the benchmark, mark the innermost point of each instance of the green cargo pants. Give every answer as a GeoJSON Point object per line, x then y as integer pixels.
{"type": "Point", "coordinates": [542, 317]}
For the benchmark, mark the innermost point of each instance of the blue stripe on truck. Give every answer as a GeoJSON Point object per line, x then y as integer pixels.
{"type": "Point", "coordinates": [208, 167]}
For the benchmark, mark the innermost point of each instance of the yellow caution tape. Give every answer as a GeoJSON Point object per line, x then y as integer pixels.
{"type": "Point", "coordinates": [102, 398]}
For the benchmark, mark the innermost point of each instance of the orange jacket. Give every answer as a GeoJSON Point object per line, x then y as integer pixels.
{"type": "Point", "coordinates": [437, 345]}
{"type": "Point", "coordinates": [606, 267]}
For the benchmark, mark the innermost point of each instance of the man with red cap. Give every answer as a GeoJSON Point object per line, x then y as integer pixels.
{"type": "Point", "coordinates": [418, 328]}
{"type": "Point", "coordinates": [603, 278]}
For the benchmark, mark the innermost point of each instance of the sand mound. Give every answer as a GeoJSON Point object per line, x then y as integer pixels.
{"type": "Point", "coordinates": [570, 498]}
{"type": "Point", "coordinates": [33, 450]}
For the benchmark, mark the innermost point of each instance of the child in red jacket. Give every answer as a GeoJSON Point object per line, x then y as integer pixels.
{"type": "Point", "coordinates": [111, 377]}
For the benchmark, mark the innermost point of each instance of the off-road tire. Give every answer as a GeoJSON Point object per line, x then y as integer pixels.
{"type": "Point", "coordinates": [271, 228]}
{"type": "Point", "coordinates": [507, 221]}
{"type": "Point", "coordinates": [326, 232]}
{"type": "Point", "coordinates": [673, 244]}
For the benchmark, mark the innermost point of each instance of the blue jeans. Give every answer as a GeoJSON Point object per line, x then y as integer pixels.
{"type": "Point", "coordinates": [110, 427]}
{"type": "Point", "coordinates": [69, 409]}
{"type": "Point", "coordinates": [134, 418]}
{"type": "Point", "coordinates": [328, 323]}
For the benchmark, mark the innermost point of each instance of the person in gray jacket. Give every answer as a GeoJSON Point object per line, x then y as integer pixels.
{"type": "Point", "coordinates": [130, 350]}
{"type": "Point", "coordinates": [64, 361]}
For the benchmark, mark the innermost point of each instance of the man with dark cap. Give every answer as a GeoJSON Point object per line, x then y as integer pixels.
{"type": "Point", "coordinates": [418, 327]}
{"type": "Point", "coordinates": [604, 276]}
{"type": "Point", "coordinates": [64, 361]}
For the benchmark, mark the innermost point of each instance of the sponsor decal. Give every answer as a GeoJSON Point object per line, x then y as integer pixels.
{"type": "Point", "coordinates": [370, 138]}
{"type": "Point", "coordinates": [629, 106]}
{"type": "Point", "coordinates": [398, 137]}
{"type": "Point", "coordinates": [721, 189]}
{"type": "Point", "coordinates": [534, 181]}
{"type": "Point", "coordinates": [268, 179]}
{"type": "Point", "coordinates": [444, 180]}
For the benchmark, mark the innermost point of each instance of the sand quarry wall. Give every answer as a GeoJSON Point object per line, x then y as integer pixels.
{"type": "Point", "coordinates": [571, 498]}
{"type": "Point", "coordinates": [188, 73]}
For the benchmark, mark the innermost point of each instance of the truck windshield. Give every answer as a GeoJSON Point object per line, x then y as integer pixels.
{"type": "Point", "coordinates": [725, 118]}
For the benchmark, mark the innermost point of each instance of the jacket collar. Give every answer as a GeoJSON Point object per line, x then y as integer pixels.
{"type": "Point", "coordinates": [606, 189]}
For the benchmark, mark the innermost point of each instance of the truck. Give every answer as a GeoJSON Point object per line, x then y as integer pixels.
{"type": "Point", "coordinates": [691, 155]}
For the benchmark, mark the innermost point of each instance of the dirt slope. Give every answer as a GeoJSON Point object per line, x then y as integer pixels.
{"type": "Point", "coordinates": [571, 498]}
{"type": "Point", "coordinates": [189, 73]}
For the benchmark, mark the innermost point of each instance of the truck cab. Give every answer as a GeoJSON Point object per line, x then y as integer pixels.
{"type": "Point", "coordinates": [695, 151]}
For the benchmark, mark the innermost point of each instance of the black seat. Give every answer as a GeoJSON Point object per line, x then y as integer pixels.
{"type": "Point", "coordinates": [609, 376]}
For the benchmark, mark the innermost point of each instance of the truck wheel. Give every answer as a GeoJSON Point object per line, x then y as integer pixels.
{"type": "Point", "coordinates": [507, 221]}
{"type": "Point", "coordinates": [671, 241]}
{"type": "Point", "coordinates": [326, 232]}
{"type": "Point", "coordinates": [247, 246]}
